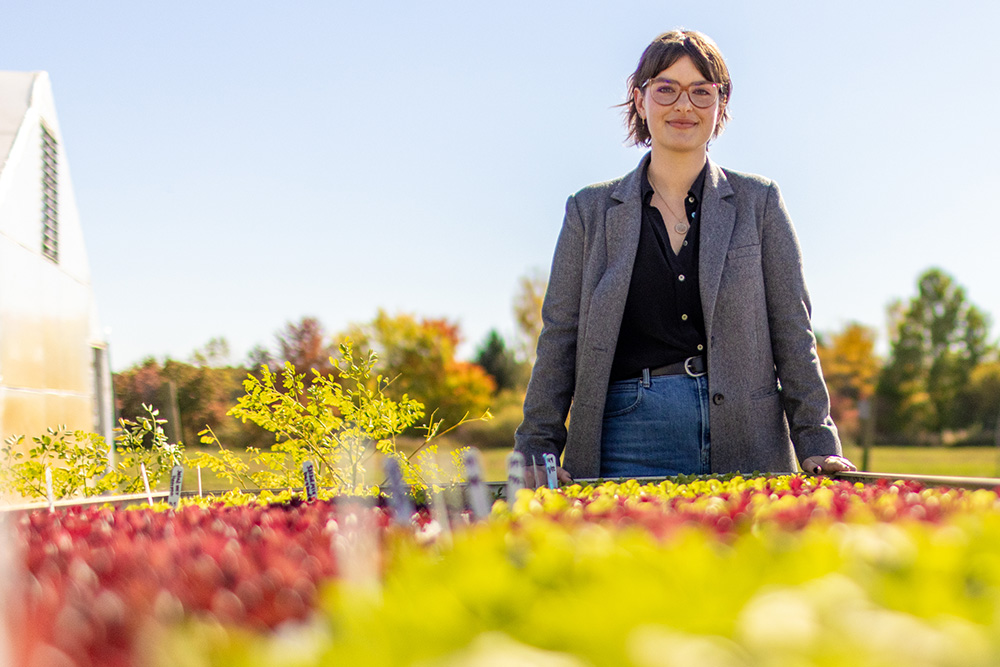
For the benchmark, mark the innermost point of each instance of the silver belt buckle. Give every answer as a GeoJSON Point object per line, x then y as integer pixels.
{"type": "Point", "coordinates": [687, 369]}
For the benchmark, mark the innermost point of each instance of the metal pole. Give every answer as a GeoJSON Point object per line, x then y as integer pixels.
{"type": "Point", "coordinates": [996, 441]}
{"type": "Point", "coordinates": [865, 415]}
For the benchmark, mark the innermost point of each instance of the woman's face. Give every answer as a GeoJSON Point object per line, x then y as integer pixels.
{"type": "Point", "coordinates": [680, 127]}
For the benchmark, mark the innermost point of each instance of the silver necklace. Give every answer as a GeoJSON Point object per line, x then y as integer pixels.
{"type": "Point", "coordinates": [680, 225]}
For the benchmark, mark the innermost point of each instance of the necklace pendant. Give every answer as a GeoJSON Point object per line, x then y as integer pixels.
{"type": "Point", "coordinates": [682, 227]}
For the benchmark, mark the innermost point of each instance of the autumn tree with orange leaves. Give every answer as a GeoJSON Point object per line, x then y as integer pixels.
{"type": "Point", "coordinates": [418, 354]}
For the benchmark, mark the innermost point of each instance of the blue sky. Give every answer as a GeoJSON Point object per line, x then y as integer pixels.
{"type": "Point", "coordinates": [239, 165]}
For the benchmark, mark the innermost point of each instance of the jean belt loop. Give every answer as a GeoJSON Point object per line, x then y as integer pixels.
{"type": "Point", "coordinates": [645, 378]}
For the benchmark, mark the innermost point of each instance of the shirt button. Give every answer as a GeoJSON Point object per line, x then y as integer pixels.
{"type": "Point", "coordinates": [718, 399]}
{"type": "Point", "coordinates": [685, 242]}
{"type": "Point", "coordinates": [700, 347]}
{"type": "Point", "coordinates": [684, 317]}
{"type": "Point", "coordinates": [691, 199]}
{"type": "Point", "coordinates": [681, 277]}
{"type": "Point", "coordinates": [692, 215]}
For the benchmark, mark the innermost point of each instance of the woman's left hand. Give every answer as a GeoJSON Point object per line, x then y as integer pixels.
{"type": "Point", "coordinates": [827, 464]}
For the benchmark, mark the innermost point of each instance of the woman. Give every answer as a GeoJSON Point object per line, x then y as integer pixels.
{"type": "Point", "coordinates": [676, 320]}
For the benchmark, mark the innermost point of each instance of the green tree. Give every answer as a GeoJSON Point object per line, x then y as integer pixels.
{"type": "Point", "coordinates": [499, 361]}
{"type": "Point", "coordinates": [214, 354]}
{"type": "Point", "coordinates": [142, 384]}
{"type": "Point", "coordinates": [937, 341]}
{"type": "Point", "coordinates": [979, 400]}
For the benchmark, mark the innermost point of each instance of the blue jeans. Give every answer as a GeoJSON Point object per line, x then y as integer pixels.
{"type": "Point", "coordinates": [656, 427]}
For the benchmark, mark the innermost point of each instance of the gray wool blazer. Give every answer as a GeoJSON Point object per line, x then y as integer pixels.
{"type": "Point", "coordinates": [768, 402]}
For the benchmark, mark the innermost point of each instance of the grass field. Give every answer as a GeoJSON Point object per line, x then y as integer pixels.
{"type": "Point", "coordinates": [961, 461]}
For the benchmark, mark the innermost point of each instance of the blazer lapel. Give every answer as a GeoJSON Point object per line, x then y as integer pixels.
{"type": "Point", "coordinates": [718, 218]}
{"type": "Point", "coordinates": [623, 221]}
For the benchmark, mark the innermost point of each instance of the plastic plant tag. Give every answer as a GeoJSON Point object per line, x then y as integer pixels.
{"type": "Point", "coordinates": [356, 546]}
{"type": "Point", "coordinates": [439, 507]}
{"type": "Point", "coordinates": [515, 474]}
{"type": "Point", "coordinates": [176, 480]}
{"type": "Point", "coordinates": [48, 489]}
{"type": "Point", "coordinates": [399, 498]}
{"type": "Point", "coordinates": [145, 483]}
{"type": "Point", "coordinates": [199, 481]}
{"type": "Point", "coordinates": [550, 470]}
{"type": "Point", "coordinates": [309, 473]}
{"type": "Point", "coordinates": [478, 494]}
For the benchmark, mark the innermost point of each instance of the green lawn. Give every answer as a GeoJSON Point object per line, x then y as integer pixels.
{"type": "Point", "coordinates": [960, 461]}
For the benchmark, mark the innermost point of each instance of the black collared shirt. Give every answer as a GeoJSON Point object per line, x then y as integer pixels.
{"type": "Point", "coordinates": [663, 321]}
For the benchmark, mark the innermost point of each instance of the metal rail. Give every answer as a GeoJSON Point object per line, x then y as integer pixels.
{"type": "Point", "coordinates": [128, 499]}
{"type": "Point", "coordinates": [927, 480]}
{"type": "Point", "coordinates": [990, 483]}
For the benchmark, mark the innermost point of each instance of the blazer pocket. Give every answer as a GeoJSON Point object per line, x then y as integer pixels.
{"type": "Point", "coordinates": [744, 251]}
{"type": "Point", "coordinates": [764, 392]}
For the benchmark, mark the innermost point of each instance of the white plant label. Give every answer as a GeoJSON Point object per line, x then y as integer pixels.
{"type": "Point", "coordinates": [478, 494]}
{"type": "Point", "coordinates": [439, 513]}
{"type": "Point", "coordinates": [309, 473]}
{"type": "Point", "coordinates": [145, 483]}
{"type": "Point", "coordinates": [199, 481]}
{"type": "Point", "coordinates": [48, 489]}
{"type": "Point", "coordinates": [515, 474]}
{"type": "Point", "coordinates": [399, 498]}
{"type": "Point", "coordinates": [176, 480]}
{"type": "Point", "coordinates": [550, 470]}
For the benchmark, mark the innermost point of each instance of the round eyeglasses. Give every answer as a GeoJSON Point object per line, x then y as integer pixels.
{"type": "Point", "coordinates": [702, 94]}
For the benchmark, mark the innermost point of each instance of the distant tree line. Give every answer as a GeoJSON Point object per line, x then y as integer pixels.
{"type": "Point", "coordinates": [941, 381]}
{"type": "Point", "coordinates": [939, 384]}
{"type": "Point", "coordinates": [418, 354]}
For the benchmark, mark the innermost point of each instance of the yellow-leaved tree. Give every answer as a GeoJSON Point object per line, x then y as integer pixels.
{"type": "Point", "coordinates": [851, 369]}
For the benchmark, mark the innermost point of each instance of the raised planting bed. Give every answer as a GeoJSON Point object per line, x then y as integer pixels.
{"type": "Point", "coordinates": [719, 571]}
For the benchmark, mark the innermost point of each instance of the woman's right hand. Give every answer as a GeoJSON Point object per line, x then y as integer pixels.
{"type": "Point", "coordinates": [534, 476]}
{"type": "Point", "coordinates": [818, 465]}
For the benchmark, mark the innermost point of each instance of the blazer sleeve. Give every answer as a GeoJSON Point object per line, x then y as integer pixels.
{"type": "Point", "coordinates": [551, 387]}
{"type": "Point", "coordinates": [803, 390]}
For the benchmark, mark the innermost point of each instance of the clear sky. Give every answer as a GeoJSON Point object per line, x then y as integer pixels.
{"type": "Point", "coordinates": [239, 165]}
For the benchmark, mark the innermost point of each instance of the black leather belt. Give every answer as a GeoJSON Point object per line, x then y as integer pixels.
{"type": "Point", "coordinates": [693, 366]}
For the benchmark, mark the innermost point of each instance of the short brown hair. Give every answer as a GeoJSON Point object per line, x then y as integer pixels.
{"type": "Point", "coordinates": [663, 52]}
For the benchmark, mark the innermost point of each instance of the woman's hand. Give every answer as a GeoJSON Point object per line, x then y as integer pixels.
{"type": "Point", "coordinates": [534, 476]}
{"type": "Point", "coordinates": [827, 464]}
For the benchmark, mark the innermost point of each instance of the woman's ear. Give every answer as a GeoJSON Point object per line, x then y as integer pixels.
{"type": "Point", "coordinates": [640, 102]}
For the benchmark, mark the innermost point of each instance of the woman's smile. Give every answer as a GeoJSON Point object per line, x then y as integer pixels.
{"type": "Point", "coordinates": [682, 123]}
